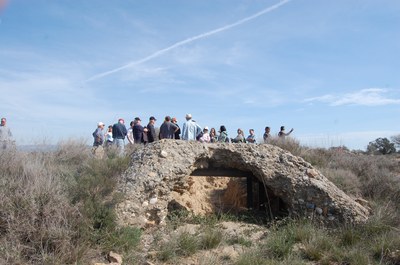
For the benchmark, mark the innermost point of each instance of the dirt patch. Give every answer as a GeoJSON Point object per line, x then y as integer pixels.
{"type": "Point", "coordinates": [206, 195]}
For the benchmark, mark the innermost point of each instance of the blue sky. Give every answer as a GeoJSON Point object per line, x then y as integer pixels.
{"type": "Point", "coordinates": [329, 69]}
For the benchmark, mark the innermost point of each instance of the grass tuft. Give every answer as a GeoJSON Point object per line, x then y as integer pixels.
{"type": "Point", "coordinates": [211, 238]}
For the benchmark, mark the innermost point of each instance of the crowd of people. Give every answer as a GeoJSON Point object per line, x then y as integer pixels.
{"type": "Point", "coordinates": [137, 133]}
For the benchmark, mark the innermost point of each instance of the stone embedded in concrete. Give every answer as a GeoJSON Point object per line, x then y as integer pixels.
{"type": "Point", "coordinates": [153, 200]}
{"type": "Point", "coordinates": [114, 258]}
{"type": "Point", "coordinates": [164, 154]}
{"type": "Point", "coordinates": [160, 167]}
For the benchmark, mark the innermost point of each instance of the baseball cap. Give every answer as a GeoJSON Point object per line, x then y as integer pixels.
{"type": "Point", "coordinates": [100, 123]}
{"type": "Point", "coordinates": [188, 116]}
{"type": "Point", "coordinates": [137, 119]}
{"type": "Point", "coordinates": [206, 128]}
{"type": "Point", "coordinates": [152, 118]}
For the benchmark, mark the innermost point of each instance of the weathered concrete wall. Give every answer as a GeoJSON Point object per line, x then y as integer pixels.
{"type": "Point", "coordinates": [158, 167]}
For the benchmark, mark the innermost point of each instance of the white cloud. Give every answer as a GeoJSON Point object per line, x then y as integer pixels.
{"type": "Point", "coordinates": [364, 97]}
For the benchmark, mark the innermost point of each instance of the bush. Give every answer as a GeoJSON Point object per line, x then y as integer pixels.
{"type": "Point", "coordinates": [36, 217]}
{"type": "Point", "coordinates": [183, 244]}
{"type": "Point", "coordinates": [344, 179]}
{"type": "Point", "coordinates": [239, 240]}
{"type": "Point", "coordinates": [289, 144]}
{"type": "Point", "coordinates": [373, 177]}
{"type": "Point", "coordinates": [211, 238]}
{"type": "Point", "coordinates": [122, 239]}
{"type": "Point", "coordinates": [318, 157]}
{"type": "Point", "coordinates": [384, 246]}
{"type": "Point", "coordinates": [188, 244]}
{"type": "Point", "coordinates": [55, 205]}
{"type": "Point", "coordinates": [280, 242]}
{"type": "Point", "coordinates": [251, 257]}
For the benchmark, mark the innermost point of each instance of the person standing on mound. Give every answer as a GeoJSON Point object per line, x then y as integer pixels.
{"type": "Point", "coordinates": [282, 133]}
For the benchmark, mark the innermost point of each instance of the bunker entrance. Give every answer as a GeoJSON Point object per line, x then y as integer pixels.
{"type": "Point", "coordinates": [220, 190]}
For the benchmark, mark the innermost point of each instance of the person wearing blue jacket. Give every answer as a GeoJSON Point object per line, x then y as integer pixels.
{"type": "Point", "coordinates": [190, 129]}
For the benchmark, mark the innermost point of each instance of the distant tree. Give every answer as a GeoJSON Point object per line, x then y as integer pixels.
{"type": "Point", "coordinates": [339, 148]}
{"type": "Point", "coordinates": [381, 146]}
{"type": "Point", "coordinates": [396, 140]}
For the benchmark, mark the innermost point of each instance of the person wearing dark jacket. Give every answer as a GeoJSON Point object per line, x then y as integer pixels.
{"type": "Point", "coordinates": [178, 132]}
{"type": "Point", "coordinates": [168, 129]}
{"type": "Point", "coordinates": [119, 132]}
{"type": "Point", "coordinates": [138, 130]}
{"type": "Point", "coordinates": [151, 131]}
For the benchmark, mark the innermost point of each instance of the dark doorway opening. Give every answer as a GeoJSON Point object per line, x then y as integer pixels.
{"type": "Point", "coordinates": [243, 193]}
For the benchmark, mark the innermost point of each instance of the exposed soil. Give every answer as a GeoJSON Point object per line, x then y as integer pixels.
{"type": "Point", "coordinates": [206, 195]}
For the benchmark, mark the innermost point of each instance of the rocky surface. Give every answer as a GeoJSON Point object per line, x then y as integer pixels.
{"type": "Point", "coordinates": [160, 168]}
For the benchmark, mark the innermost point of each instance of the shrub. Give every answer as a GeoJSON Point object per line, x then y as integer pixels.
{"type": "Point", "coordinates": [357, 256]}
{"type": "Point", "coordinates": [303, 230]}
{"type": "Point", "coordinates": [54, 205]}
{"type": "Point", "coordinates": [211, 238]}
{"type": "Point", "coordinates": [373, 177]}
{"type": "Point", "coordinates": [167, 251]}
{"type": "Point", "coordinates": [122, 239]}
{"type": "Point", "coordinates": [344, 179]}
{"type": "Point", "coordinates": [72, 152]}
{"type": "Point", "coordinates": [280, 242]}
{"type": "Point", "coordinates": [384, 245]}
{"type": "Point", "coordinates": [212, 259]}
{"type": "Point", "coordinates": [251, 257]}
{"type": "Point", "coordinates": [349, 235]}
{"type": "Point", "coordinates": [318, 157]}
{"type": "Point", "coordinates": [316, 242]}
{"type": "Point", "coordinates": [183, 244]}
{"type": "Point", "coordinates": [239, 240]}
{"type": "Point", "coordinates": [36, 217]}
{"type": "Point", "coordinates": [384, 216]}
{"type": "Point", "coordinates": [188, 244]}
{"type": "Point", "coordinates": [289, 144]}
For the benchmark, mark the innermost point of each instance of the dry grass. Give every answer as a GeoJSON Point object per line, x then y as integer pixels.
{"type": "Point", "coordinates": [374, 177]}
{"type": "Point", "coordinates": [44, 213]}
{"type": "Point", "coordinates": [36, 218]}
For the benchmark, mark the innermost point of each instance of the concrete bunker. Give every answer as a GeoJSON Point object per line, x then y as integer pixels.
{"type": "Point", "coordinates": [276, 182]}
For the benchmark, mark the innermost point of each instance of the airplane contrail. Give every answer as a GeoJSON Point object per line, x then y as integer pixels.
{"type": "Point", "coordinates": [189, 40]}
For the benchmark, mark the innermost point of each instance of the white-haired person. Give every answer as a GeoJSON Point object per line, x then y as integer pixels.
{"type": "Point", "coordinates": [98, 135]}
{"type": "Point", "coordinates": [190, 129]}
{"type": "Point", "coordinates": [205, 138]}
{"type": "Point", "coordinates": [5, 135]}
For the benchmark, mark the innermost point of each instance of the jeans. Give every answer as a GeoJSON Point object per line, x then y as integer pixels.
{"type": "Point", "coordinates": [120, 143]}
